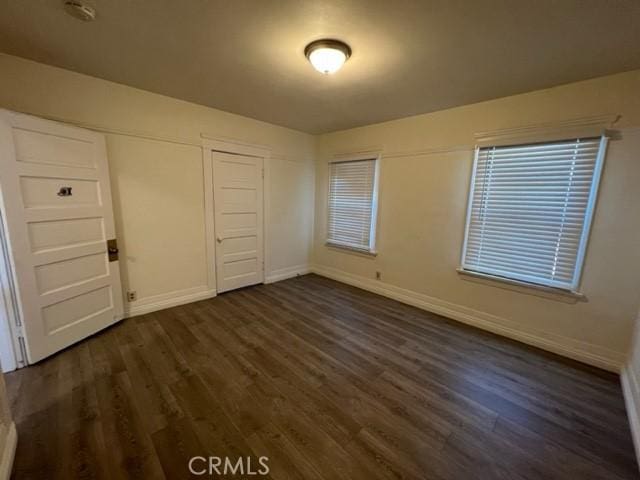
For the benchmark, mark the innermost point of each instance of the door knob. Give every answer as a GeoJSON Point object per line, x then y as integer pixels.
{"type": "Point", "coordinates": [219, 239]}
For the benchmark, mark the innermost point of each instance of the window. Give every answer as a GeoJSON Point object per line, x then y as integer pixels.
{"type": "Point", "coordinates": [353, 204]}
{"type": "Point", "coordinates": [530, 210]}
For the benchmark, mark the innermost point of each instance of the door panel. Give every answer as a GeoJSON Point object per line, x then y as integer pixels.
{"type": "Point", "coordinates": [38, 192]}
{"type": "Point", "coordinates": [65, 273]}
{"type": "Point", "coordinates": [238, 199]}
{"type": "Point", "coordinates": [58, 212]}
{"type": "Point", "coordinates": [86, 306]}
{"type": "Point", "coordinates": [237, 192]}
{"type": "Point", "coordinates": [39, 147]}
{"type": "Point", "coordinates": [64, 233]}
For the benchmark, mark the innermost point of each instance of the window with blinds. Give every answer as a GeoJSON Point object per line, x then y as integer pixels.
{"type": "Point", "coordinates": [530, 210]}
{"type": "Point", "coordinates": [352, 204]}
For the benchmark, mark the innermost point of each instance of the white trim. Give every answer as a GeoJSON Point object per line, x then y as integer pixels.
{"type": "Point", "coordinates": [209, 223]}
{"type": "Point", "coordinates": [631, 393]}
{"type": "Point", "coordinates": [593, 126]}
{"type": "Point", "coordinates": [346, 248]}
{"type": "Point", "coordinates": [471, 190]}
{"type": "Point", "coordinates": [588, 215]}
{"type": "Point", "coordinates": [168, 300]}
{"type": "Point", "coordinates": [509, 275]}
{"type": "Point", "coordinates": [113, 131]}
{"type": "Point", "coordinates": [9, 453]}
{"type": "Point", "coordinates": [585, 352]}
{"type": "Point", "coordinates": [356, 156]}
{"type": "Point", "coordinates": [238, 147]}
{"type": "Point", "coordinates": [266, 212]}
{"type": "Point", "coordinates": [288, 272]}
{"type": "Point", "coordinates": [430, 151]}
{"type": "Point", "coordinates": [379, 150]}
{"type": "Point", "coordinates": [232, 145]}
{"type": "Point", "coordinates": [346, 158]}
{"type": "Point", "coordinates": [522, 286]}
{"type": "Point", "coordinates": [10, 330]}
{"type": "Point", "coordinates": [451, 149]}
{"type": "Point", "coordinates": [375, 199]}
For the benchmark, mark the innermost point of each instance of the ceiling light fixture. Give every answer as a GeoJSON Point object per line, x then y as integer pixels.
{"type": "Point", "coordinates": [327, 55]}
{"type": "Point", "coordinates": [80, 10]}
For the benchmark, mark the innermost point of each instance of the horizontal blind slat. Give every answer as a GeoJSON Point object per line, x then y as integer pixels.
{"type": "Point", "coordinates": [350, 203]}
{"type": "Point", "coordinates": [527, 209]}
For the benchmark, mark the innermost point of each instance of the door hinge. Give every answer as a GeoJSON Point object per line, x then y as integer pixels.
{"type": "Point", "coordinates": [263, 173]}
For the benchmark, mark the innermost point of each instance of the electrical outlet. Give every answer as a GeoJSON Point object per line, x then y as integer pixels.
{"type": "Point", "coordinates": [132, 296]}
{"type": "Point", "coordinates": [378, 276]}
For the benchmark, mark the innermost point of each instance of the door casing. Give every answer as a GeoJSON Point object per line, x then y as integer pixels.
{"type": "Point", "coordinates": [224, 145]}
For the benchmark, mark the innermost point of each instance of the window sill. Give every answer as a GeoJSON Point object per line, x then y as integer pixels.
{"type": "Point", "coordinates": [524, 287]}
{"type": "Point", "coordinates": [348, 249]}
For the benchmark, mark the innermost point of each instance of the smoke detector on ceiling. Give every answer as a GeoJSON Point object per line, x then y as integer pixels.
{"type": "Point", "coordinates": [80, 10]}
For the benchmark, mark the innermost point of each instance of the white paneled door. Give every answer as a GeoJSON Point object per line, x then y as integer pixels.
{"type": "Point", "coordinates": [237, 198]}
{"type": "Point", "coordinates": [56, 201]}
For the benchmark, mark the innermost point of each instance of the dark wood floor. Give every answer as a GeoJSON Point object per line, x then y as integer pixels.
{"type": "Point", "coordinates": [328, 381]}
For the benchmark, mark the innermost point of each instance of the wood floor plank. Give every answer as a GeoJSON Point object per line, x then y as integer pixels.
{"type": "Point", "coordinates": [150, 394]}
{"type": "Point", "coordinates": [175, 445]}
{"type": "Point", "coordinates": [130, 451]}
{"type": "Point", "coordinates": [329, 382]}
{"type": "Point", "coordinates": [39, 457]}
{"type": "Point", "coordinates": [286, 461]}
{"type": "Point", "coordinates": [568, 464]}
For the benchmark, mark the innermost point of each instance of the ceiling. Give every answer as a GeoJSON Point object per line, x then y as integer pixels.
{"type": "Point", "coordinates": [409, 57]}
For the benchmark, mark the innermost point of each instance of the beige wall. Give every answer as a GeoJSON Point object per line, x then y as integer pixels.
{"type": "Point", "coordinates": [157, 178]}
{"type": "Point", "coordinates": [425, 171]}
{"type": "Point", "coordinates": [157, 173]}
{"type": "Point", "coordinates": [292, 190]}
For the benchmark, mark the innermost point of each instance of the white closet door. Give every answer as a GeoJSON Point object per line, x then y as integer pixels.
{"type": "Point", "coordinates": [237, 197]}
{"type": "Point", "coordinates": [59, 217]}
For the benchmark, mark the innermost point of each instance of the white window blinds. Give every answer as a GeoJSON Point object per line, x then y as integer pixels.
{"type": "Point", "coordinates": [352, 204]}
{"type": "Point", "coordinates": [530, 210]}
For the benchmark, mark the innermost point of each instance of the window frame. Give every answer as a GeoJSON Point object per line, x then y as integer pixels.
{"type": "Point", "coordinates": [574, 288]}
{"type": "Point", "coordinates": [375, 199]}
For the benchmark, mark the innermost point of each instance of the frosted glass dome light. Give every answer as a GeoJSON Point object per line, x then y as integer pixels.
{"type": "Point", "coordinates": [327, 56]}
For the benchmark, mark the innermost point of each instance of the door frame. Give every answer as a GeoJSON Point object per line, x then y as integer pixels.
{"type": "Point", "coordinates": [211, 144]}
{"type": "Point", "coordinates": [12, 349]}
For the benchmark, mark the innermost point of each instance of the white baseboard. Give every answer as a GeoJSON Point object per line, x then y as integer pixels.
{"type": "Point", "coordinates": [167, 300]}
{"type": "Point", "coordinates": [577, 350]}
{"type": "Point", "coordinates": [181, 297]}
{"type": "Point", "coordinates": [289, 272]}
{"type": "Point", "coordinates": [10, 444]}
{"type": "Point", "coordinates": [631, 392]}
